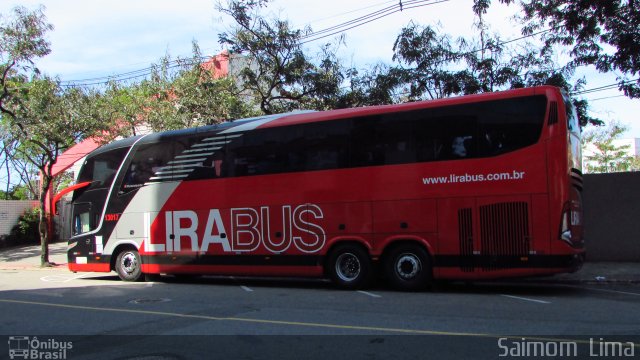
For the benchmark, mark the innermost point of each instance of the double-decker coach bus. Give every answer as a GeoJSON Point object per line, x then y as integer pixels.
{"type": "Point", "coordinates": [473, 187]}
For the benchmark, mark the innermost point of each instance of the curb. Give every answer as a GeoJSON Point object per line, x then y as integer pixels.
{"type": "Point", "coordinates": [20, 266]}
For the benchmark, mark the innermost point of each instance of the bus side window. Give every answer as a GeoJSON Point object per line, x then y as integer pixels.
{"type": "Point", "coordinates": [429, 149]}
{"type": "Point", "coordinates": [492, 142]}
{"type": "Point", "coordinates": [219, 165]}
{"type": "Point", "coordinates": [399, 153]}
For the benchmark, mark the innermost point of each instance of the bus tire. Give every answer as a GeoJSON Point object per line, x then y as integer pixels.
{"type": "Point", "coordinates": [129, 265]}
{"type": "Point", "coordinates": [408, 268]}
{"type": "Point", "coordinates": [349, 267]}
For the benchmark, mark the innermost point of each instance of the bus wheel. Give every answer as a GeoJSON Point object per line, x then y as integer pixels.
{"type": "Point", "coordinates": [128, 265]}
{"type": "Point", "coordinates": [349, 267]}
{"type": "Point", "coordinates": [408, 268]}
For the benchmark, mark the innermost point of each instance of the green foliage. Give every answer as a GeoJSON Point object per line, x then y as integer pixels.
{"type": "Point", "coordinates": [602, 155]}
{"type": "Point", "coordinates": [432, 65]}
{"type": "Point", "coordinates": [25, 232]}
{"type": "Point", "coordinates": [180, 93]}
{"type": "Point", "coordinates": [23, 37]}
{"type": "Point", "coordinates": [279, 75]}
{"type": "Point", "coordinates": [39, 117]}
{"type": "Point", "coordinates": [188, 96]}
{"type": "Point", "coordinates": [18, 192]}
{"type": "Point", "coordinates": [22, 40]}
{"type": "Point", "coordinates": [604, 34]}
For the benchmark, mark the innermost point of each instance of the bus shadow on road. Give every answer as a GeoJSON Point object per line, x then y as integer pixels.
{"type": "Point", "coordinates": [440, 287]}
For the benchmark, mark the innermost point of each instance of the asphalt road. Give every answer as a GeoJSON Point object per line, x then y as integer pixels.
{"type": "Point", "coordinates": [107, 318]}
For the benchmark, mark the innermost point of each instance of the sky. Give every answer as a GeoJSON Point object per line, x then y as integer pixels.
{"type": "Point", "coordinates": [97, 38]}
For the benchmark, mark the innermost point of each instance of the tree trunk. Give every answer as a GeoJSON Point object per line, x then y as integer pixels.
{"type": "Point", "coordinates": [43, 225]}
{"type": "Point", "coordinates": [44, 241]}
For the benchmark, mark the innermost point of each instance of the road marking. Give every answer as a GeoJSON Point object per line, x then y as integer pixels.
{"type": "Point", "coordinates": [247, 289]}
{"type": "Point", "coordinates": [62, 278]}
{"type": "Point", "coordinates": [245, 320]}
{"type": "Point", "coordinates": [611, 291]}
{"type": "Point", "coordinates": [526, 299]}
{"type": "Point", "coordinates": [370, 294]}
{"type": "Point", "coordinates": [287, 323]}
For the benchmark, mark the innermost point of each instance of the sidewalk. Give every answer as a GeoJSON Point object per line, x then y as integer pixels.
{"type": "Point", "coordinates": [599, 272]}
{"type": "Point", "coordinates": [28, 258]}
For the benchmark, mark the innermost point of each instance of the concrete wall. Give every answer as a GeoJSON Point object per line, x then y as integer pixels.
{"type": "Point", "coordinates": [612, 216]}
{"type": "Point", "coordinates": [10, 211]}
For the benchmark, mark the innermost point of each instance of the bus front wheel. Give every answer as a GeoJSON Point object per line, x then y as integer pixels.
{"type": "Point", "coordinates": [408, 268]}
{"type": "Point", "coordinates": [349, 267]}
{"type": "Point", "coordinates": [128, 265]}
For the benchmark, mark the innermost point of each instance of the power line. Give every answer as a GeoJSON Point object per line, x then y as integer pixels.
{"type": "Point", "coordinates": [606, 97]}
{"type": "Point", "coordinates": [605, 87]}
{"type": "Point", "coordinates": [365, 19]}
{"type": "Point", "coordinates": [317, 35]}
{"type": "Point", "coordinates": [147, 69]}
{"type": "Point", "coordinates": [333, 30]}
{"type": "Point", "coordinates": [127, 75]}
{"type": "Point", "coordinates": [353, 11]}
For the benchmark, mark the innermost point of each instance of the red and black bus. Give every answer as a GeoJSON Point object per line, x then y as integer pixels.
{"type": "Point", "coordinates": [473, 187]}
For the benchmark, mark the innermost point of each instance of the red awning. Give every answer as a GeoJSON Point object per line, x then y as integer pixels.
{"type": "Point", "coordinates": [73, 154]}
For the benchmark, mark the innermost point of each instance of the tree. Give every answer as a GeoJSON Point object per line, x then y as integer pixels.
{"type": "Point", "coordinates": [432, 65]}
{"type": "Point", "coordinates": [22, 40]}
{"type": "Point", "coordinates": [48, 119]}
{"type": "Point", "coordinates": [602, 155]}
{"type": "Point", "coordinates": [378, 85]}
{"type": "Point", "coordinates": [605, 34]}
{"type": "Point", "coordinates": [186, 93]}
{"type": "Point", "coordinates": [427, 57]}
{"type": "Point", "coordinates": [123, 104]}
{"type": "Point", "coordinates": [277, 73]}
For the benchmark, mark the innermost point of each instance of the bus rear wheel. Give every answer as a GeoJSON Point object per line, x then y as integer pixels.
{"type": "Point", "coordinates": [408, 268]}
{"type": "Point", "coordinates": [349, 267]}
{"type": "Point", "coordinates": [128, 265]}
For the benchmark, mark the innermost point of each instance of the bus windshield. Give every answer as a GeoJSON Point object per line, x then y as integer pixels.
{"type": "Point", "coordinates": [101, 169]}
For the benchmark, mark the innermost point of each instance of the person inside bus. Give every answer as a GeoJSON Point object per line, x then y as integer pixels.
{"type": "Point", "coordinates": [494, 142]}
{"type": "Point", "coordinates": [219, 170]}
{"type": "Point", "coordinates": [459, 146]}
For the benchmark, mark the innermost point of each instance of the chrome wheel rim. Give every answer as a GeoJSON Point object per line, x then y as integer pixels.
{"type": "Point", "coordinates": [129, 263]}
{"type": "Point", "coordinates": [408, 266]}
{"type": "Point", "coordinates": [348, 267]}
